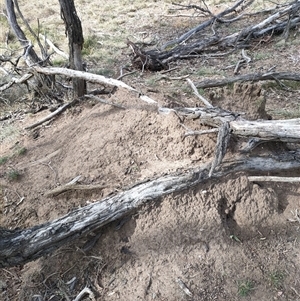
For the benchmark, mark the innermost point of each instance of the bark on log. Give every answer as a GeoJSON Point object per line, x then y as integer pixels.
{"type": "Point", "coordinates": [20, 246]}
{"type": "Point", "coordinates": [266, 130]}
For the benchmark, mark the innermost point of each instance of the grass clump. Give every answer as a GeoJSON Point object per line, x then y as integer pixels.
{"type": "Point", "coordinates": [245, 288]}
{"type": "Point", "coordinates": [3, 160]}
{"type": "Point", "coordinates": [90, 43]}
{"type": "Point", "coordinates": [276, 279]}
{"type": "Point", "coordinates": [14, 175]}
{"type": "Point", "coordinates": [21, 151]}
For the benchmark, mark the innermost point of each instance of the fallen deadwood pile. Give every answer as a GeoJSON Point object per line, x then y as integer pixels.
{"type": "Point", "coordinates": [207, 39]}
{"type": "Point", "coordinates": [20, 246]}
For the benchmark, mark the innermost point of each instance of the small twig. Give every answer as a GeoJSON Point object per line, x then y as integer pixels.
{"type": "Point", "coordinates": [207, 103]}
{"type": "Point", "coordinates": [54, 171]}
{"type": "Point", "coordinates": [105, 101]}
{"type": "Point", "coordinates": [246, 57]}
{"type": "Point", "coordinates": [85, 291]}
{"type": "Point", "coordinates": [237, 67]}
{"type": "Point", "coordinates": [295, 291]}
{"type": "Point", "coordinates": [74, 181]}
{"type": "Point", "coordinates": [126, 74]}
{"type": "Point", "coordinates": [274, 179]}
{"type": "Point", "coordinates": [192, 133]}
{"type": "Point", "coordinates": [172, 78]}
{"type": "Point", "coordinates": [15, 80]}
{"type": "Point", "coordinates": [53, 47]}
{"type": "Point", "coordinates": [246, 60]}
{"type": "Point", "coordinates": [296, 216]}
{"type": "Point", "coordinates": [184, 287]}
{"type": "Point", "coordinates": [169, 70]}
{"type": "Point", "coordinates": [67, 187]}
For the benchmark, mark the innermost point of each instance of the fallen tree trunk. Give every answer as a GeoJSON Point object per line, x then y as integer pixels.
{"type": "Point", "coordinates": [21, 246]}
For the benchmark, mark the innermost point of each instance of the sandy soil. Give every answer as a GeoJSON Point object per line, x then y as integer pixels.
{"type": "Point", "coordinates": [213, 242]}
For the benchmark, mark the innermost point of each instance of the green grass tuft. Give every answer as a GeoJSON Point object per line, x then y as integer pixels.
{"type": "Point", "coordinates": [14, 175]}
{"type": "Point", "coordinates": [3, 160]}
{"type": "Point", "coordinates": [245, 288]}
{"type": "Point", "coordinates": [276, 279]}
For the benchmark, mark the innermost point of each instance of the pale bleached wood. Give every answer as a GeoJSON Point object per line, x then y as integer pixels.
{"type": "Point", "coordinates": [283, 130]}
{"type": "Point", "coordinates": [94, 78]}
{"type": "Point", "coordinates": [90, 77]}
{"type": "Point", "coordinates": [267, 130]}
{"type": "Point", "coordinates": [274, 179]}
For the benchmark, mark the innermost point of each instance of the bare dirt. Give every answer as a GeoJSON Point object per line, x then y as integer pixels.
{"type": "Point", "coordinates": [227, 239]}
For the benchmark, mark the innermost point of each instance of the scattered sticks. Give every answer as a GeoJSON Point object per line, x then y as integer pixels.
{"type": "Point", "coordinates": [253, 77]}
{"type": "Point", "coordinates": [186, 36]}
{"type": "Point", "coordinates": [200, 40]}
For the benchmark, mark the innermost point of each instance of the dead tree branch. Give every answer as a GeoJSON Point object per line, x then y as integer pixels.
{"type": "Point", "coordinates": [90, 77]}
{"type": "Point", "coordinates": [52, 115]}
{"type": "Point", "coordinates": [14, 80]}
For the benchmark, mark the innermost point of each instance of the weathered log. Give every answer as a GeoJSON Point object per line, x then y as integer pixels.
{"type": "Point", "coordinates": [266, 130]}
{"type": "Point", "coordinates": [281, 130]}
{"type": "Point", "coordinates": [21, 246]}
